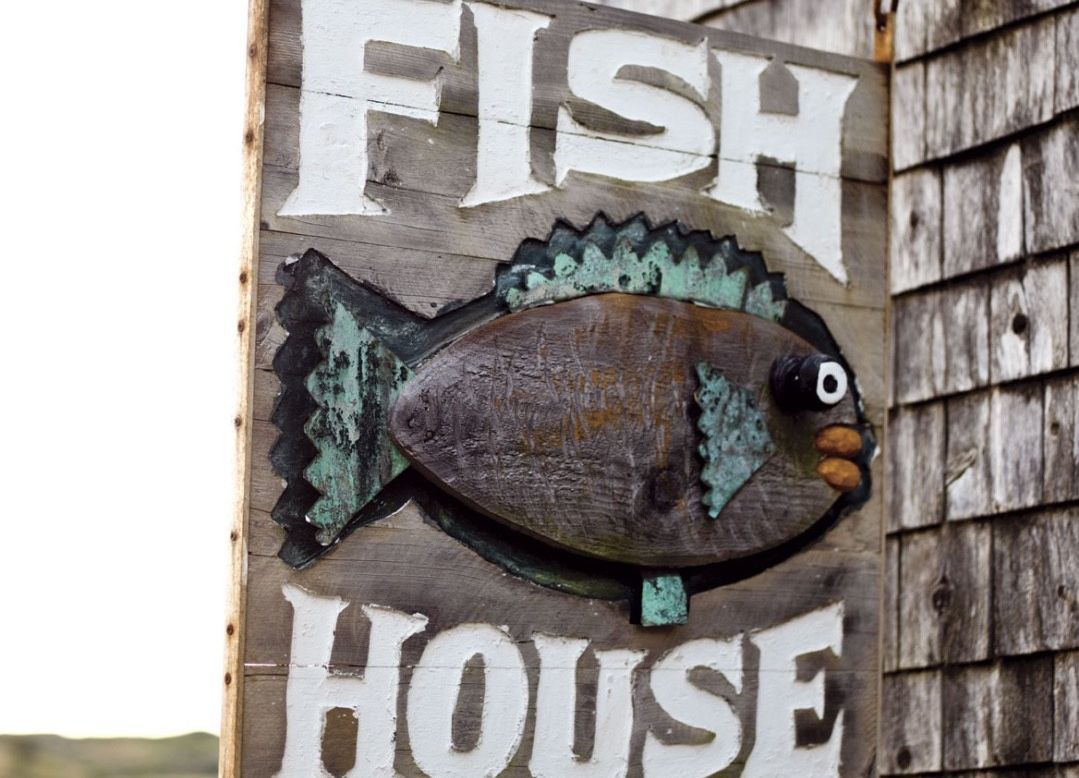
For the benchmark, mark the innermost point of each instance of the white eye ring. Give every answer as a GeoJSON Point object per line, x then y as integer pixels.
{"type": "Point", "coordinates": [836, 372]}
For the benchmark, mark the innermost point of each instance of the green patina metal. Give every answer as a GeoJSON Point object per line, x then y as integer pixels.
{"type": "Point", "coordinates": [354, 387]}
{"type": "Point", "coordinates": [630, 259]}
{"type": "Point", "coordinates": [736, 439]}
{"type": "Point", "coordinates": [664, 601]}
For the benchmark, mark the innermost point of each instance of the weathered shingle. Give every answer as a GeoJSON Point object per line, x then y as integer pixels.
{"type": "Point", "coordinates": [999, 714]}
{"type": "Point", "coordinates": [1036, 582]}
{"type": "Point", "coordinates": [911, 725]}
{"type": "Point", "coordinates": [990, 88]}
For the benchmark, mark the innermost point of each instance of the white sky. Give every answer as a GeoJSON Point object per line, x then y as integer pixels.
{"type": "Point", "coordinates": [120, 132]}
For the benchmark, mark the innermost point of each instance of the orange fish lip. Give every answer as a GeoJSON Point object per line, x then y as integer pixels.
{"type": "Point", "coordinates": [839, 444]}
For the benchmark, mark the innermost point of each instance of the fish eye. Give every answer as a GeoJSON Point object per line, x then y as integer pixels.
{"type": "Point", "coordinates": [831, 383]}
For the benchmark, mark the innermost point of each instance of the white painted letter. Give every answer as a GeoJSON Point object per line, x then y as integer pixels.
{"type": "Point", "coordinates": [595, 59]}
{"type": "Point", "coordinates": [781, 693]}
{"type": "Point", "coordinates": [337, 93]}
{"type": "Point", "coordinates": [312, 690]}
{"type": "Point", "coordinates": [695, 707]}
{"type": "Point", "coordinates": [503, 159]}
{"type": "Point", "coordinates": [556, 704]}
{"type": "Point", "coordinates": [432, 698]}
{"type": "Point", "coordinates": [812, 141]}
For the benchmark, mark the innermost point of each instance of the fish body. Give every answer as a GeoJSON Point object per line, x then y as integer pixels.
{"type": "Point", "coordinates": [577, 423]}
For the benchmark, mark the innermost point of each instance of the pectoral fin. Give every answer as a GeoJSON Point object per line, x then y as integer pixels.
{"type": "Point", "coordinates": [736, 439]}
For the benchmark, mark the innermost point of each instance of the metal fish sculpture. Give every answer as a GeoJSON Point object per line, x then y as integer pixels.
{"type": "Point", "coordinates": [632, 413]}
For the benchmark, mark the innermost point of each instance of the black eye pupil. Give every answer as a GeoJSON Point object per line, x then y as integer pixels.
{"type": "Point", "coordinates": [830, 383]}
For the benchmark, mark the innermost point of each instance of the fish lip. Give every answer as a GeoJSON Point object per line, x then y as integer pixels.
{"type": "Point", "coordinates": [843, 454]}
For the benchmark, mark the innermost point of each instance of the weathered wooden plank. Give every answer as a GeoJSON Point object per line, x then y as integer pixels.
{"type": "Point", "coordinates": [983, 211]}
{"type": "Point", "coordinates": [864, 136]}
{"type": "Point", "coordinates": [232, 697]}
{"type": "Point", "coordinates": [266, 390]}
{"type": "Point", "coordinates": [1015, 445]}
{"type": "Point", "coordinates": [923, 26]}
{"type": "Point", "coordinates": [1062, 439]}
{"type": "Point", "coordinates": [941, 342]}
{"type": "Point", "coordinates": [1036, 582]}
{"type": "Point", "coordinates": [968, 472]}
{"type": "Point", "coordinates": [1073, 309]}
{"type": "Point", "coordinates": [392, 575]}
{"type": "Point", "coordinates": [840, 26]}
{"type": "Point", "coordinates": [889, 618]}
{"type": "Point", "coordinates": [919, 366]}
{"type": "Point", "coordinates": [965, 314]}
{"type": "Point", "coordinates": [916, 229]}
{"type": "Point", "coordinates": [699, 11]}
{"type": "Point", "coordinates": [999, 714]}
{"type": "Point", "coordinates": [944, 605]}
{"type": "Point", "coordinates": [266, 486]}
{"type": "Point", "coordinates": [1049, 194]}
{"type": "Point", "coordinates": [425, 172]}
{"type": "Point", "coordinates": [269, 334]}
{"type": "Point", "coordinates": [424, 282]}
{"type": "Point", "coordinates": [916, 466]}
{"type": "Point", "coordinates": [1067, 53]}
{"type": "Point", "coordinates": [910, 723]}
{"type": "Point", "coordinates": [1066, 703]}
{"type": "Point", "coordinates": [990, 88]}
{"type": "Point", "coordinates": [1029, 312]}
{"type": "Point", "coordinates": [908, 115]}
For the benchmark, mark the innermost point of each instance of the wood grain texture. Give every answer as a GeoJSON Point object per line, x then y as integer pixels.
{"type": "Point", "coordinates": [410, 565]}
{"type": "Point", "coordinates": [683, 10]}
{"type": "Point", "coordinates": [944, 586]}
{"type": "Point", "coordinates": [916, 483]}
{"type": "Point", "coordinates": [983, 209]}
{"type": "Point", "coordinates": [1015, 446]}
{"type": "Point", "coordinates": [908, 115]}
{"type": "Point", "coordinates": [924, 26]}
{"type": "Point", "coordinates": [1073, 309]}
{"type": "Point", "coordinates": [941, 341]}
{"type": "Point", "coordinates": [1067, 54]}
{"type": "Point", "coordinates": [920, 350]}
{"type": "Point", "coordinates": [536, 420]}
{"type": "Point", "coordinates": [1029, 330]}
{"type": "Point", "coordinates": [425, 282]}
{"type": "Point", "coordinates": [840, 26]}
{"type": "Point", "coordinates": [889, 619]}
{"type": "Point", "coordinates": [990, 88]}
{"type": "Point", "coordinates": [968, 473]}
{"type": "Point", "coordinates": [1066, 704]}
{"type": "Point", "coordinates": [423, 174]}
{"type": "Point", "coordinates": [915, 234]}
{"type": "Point", "coordinates": [232, 712]}
{"type": "Point", "coordinates": [965, 314]}
{"type": "Point", "coordinates": [910, 723]}
{"type": "Point", "coordinates": [1062, 439]}
{"type": "Point", "coordinates": [999, 714]}
{"type": "Point", "coordinates": [1051, 216]}
{"type": "Point", "coordinates": [1034, 574]}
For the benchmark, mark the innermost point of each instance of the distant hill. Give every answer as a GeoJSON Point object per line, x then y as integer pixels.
{"type": "Point", "coordinates": [51, 756]}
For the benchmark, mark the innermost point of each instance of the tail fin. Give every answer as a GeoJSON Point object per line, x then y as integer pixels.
{"type": "Point", "coordinates": [348, 353]}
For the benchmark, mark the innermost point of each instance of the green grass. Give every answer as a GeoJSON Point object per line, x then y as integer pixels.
{"type": "Point", "coordinates": [51, 756]}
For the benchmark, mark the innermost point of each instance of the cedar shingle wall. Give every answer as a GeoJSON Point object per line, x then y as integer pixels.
{"type": "Point", "coordinates": [981, 615]}
{"type": "Point", "coordinates": [982, 601]}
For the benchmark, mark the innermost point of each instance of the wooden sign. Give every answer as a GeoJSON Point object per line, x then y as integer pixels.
{"type": "Point", "coordinates": [564, 346]}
